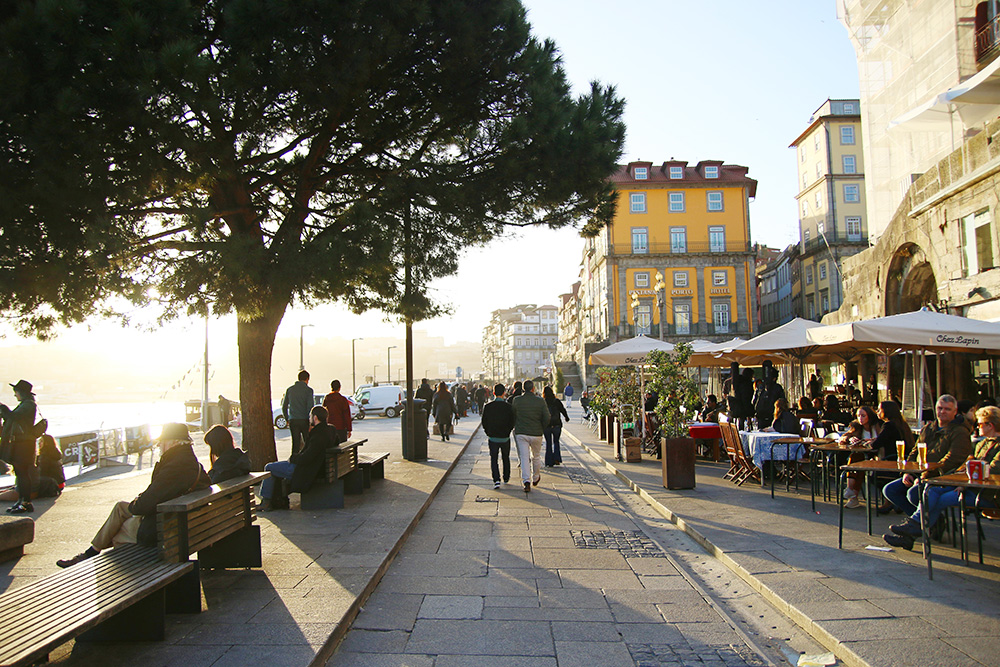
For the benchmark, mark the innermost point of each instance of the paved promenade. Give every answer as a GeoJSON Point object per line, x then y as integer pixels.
{"type": "Point", "coordinates": [869, 607]}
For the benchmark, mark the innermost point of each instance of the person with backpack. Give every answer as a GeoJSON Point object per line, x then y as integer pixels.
{"type": "Point", "coordinates": [18, 443]}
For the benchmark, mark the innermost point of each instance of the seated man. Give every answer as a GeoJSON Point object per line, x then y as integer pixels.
{"type": "Point", "coordinates": [301, 467]}
{"type": "Point", "coordinates": [948, 442]}
{"type": "Point", "coordinates": [176, 473]}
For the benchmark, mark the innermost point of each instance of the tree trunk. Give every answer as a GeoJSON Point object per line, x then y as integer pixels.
{"type": "Point", "coordinates": [255, 338]}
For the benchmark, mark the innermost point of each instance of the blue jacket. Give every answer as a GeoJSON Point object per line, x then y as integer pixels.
{"type": "Point", "coordinates": [298, 401]}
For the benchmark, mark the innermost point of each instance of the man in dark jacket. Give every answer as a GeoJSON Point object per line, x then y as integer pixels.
{"type": "Point", "coordinates": [425, 391]}
{"type": "Point", "coordinates": [295, 406]}
{"type": "Point", "coordinates": [301, 467]}
{"type": "Point", "coordinates": [498, 422]}
{"type": "Point", "coordinates": [339, 410]}
{"type": "Point", "coordinates": [18, 438]}
{"type": "Point", "coordinates": [176, 473]}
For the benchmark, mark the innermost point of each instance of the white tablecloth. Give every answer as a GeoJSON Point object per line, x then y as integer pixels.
{"type": "Point", "coordinates": [757, 445]}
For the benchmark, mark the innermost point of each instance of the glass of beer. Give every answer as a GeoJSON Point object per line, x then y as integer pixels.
{"type": "Point", "coordinates": [900, 453]}
{"type": "Point", "coordinates": [922, 453]}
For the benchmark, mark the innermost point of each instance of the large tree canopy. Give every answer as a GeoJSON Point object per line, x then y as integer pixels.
{"type": "Point", "coordinates": [243, 155]}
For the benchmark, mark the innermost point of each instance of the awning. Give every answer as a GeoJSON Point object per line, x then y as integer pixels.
{"type": "Point", "coordinates": [977, 99]}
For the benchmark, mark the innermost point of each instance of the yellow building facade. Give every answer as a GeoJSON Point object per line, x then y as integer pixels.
{"type": "Point", "coordinates": [676, 261]}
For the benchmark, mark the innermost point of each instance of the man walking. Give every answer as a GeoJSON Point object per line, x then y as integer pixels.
{"type": "Point", "coordinates": [498, 422]}
{"type": "Point", "coordinates": [531, 416]}
{"type": "Point", "coordinates": [340, 413]}
{"type": "Point", "coordinates": [225, 408]}
{"type": "Point", "coordinates": [568, 393]}
{"type": "Point", "coordinates": [295, 406]}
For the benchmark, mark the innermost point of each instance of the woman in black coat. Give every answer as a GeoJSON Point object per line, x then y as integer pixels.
{"type": "Point", "coordinates": [227, 461]}
{"type": "Point", "coordinates": [444, 410]}
{"type": "Point", "coordinates": [553, 456]}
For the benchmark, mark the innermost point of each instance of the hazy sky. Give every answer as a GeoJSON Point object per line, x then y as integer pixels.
{"type": "Point", "coordinates": [728, 80]}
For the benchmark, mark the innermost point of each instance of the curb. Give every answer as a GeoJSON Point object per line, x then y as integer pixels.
{"type": "Point", "coordinates": [843, 654]}
{"type": "Point", "coordinates": [333, 641]}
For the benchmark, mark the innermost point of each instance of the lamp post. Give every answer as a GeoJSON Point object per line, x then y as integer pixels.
{"type": "Point", "coordinates": [374, 377]}
{"type": "Point", "coordinates": [661, 300]}
{"type": "Point", "coordinates": [302, 362]}
{"type": "Point", "coordinates": [635, 311]}
{"type": "Point", "coordinates": [388, 363]}
{"type": "Point", "coordinates": [354, 376]}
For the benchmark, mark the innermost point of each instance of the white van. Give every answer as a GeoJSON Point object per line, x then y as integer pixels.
{"type": "Point", "coordinates": [384, 399]}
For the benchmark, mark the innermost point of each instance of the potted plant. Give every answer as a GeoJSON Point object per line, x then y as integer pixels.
{"type": "Point", "coordinates": [677, 401]}
{"type": "Point", "coordinates": [616, 393]}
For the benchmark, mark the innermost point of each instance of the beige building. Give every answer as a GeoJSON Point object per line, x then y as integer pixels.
{"type": "Point", "coordinates": [520, 342]}
{"type": "Point", "coordinates": [831, 202]}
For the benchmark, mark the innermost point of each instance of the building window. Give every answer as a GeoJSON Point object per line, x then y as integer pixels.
{"type": "Point", "coordinates": [848, 107]}
{"type": "Point", "coordinates": [847, 135]}
{"type": "Point", "coordinates": [977, 243]}
{"type": "Point", "coordinates": [805, 208]}
{"type": "Point", "coordinates": [676, 202]}
{"type": "Point", "coordinates": [714, 201]}
{"type": "Point", "coordinates": [717, 239]}
{"type": "Point", "coordinates": [819, 200]}
{"type": "Point", "coordinates": [822, 271]}
{"type": "Point", "coordinates": [637, 201]}
{"type": "Point", "coordinates": [640, 240]}
{"type": "Point", "coordinates": [720, 316]}
{"type": "Point", "coordinates": [678, 239]}
{"type": "Point", "coordinates": [719, 279]}
{"type": "Point", "coordinates": [519, 342]}
{"type": "Point", "coordinates": [824, 303]}
{"type": "Point", "coordinates": [641, 173]}
{"type": "Point", "coordinates": [805, 236]}
{"type": "Point", "coordinates": [850, 164]}
{"type": "Point", "coordinates": [805, 180]}
{"type": "Point", "coordinates": [711, 172]}
{"type": "Point", "coordinates": [676, 172]}
{"type": "Point", "coordinates": [812, 309]}
{"type": "Point", "coordinates": [642, 319]}
{"type": "Point", "coordinates": [642, 279]}
{"type": "Point", "coordinates": [853, 223]}
{"type": "Point", "coordinates": [816, 141]}
{"type": "Point", "coordinates": [819, 171]}
{"type": "Point", "coordinates": [852, 193]}
{"type": "Point", "coordinates": [802, 153]}
{"type": "Point", "coordinates": [682, 318]}
{"type": "Point", "coordinates": [809, 275]}
{"type": "Point", "coordinates": [680, 279]}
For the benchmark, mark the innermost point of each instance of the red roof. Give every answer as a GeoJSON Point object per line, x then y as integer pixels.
{"type": "Point", "coordinates": [729, 174]}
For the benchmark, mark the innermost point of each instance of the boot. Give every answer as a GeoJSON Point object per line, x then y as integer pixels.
{"type": "Point", "coordinates": [901, 541]}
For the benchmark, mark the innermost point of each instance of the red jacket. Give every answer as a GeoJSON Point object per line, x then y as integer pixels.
{"type": "Point", "coordinates": [339, 409]}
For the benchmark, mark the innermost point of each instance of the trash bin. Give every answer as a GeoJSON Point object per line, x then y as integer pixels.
{"type": "Point", "coordinates": [633, 450]}
{"type": "Point", "coordinates": [417, 450]}
{"type": "Point", "coordinates": [678, 463]}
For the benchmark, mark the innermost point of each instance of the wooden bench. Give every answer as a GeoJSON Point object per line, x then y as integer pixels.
{"type": "Point", "coordinates": [340, 475]}
{"type": "Point", "coordinates": [372, 465]}
{"type": "Point", "coordinates": [124, 594]}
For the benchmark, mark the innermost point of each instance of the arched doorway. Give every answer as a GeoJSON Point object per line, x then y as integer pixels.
{"type": "Point", "coordinates": [910, 283]}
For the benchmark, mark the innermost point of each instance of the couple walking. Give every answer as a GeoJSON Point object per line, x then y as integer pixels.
{"type": "Point", "coordinates": [528, 416]}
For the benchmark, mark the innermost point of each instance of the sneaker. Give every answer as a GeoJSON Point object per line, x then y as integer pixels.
{"type": "Point", "coordinates": [506, 479]}
{"type": "Point", "coordinates": [79, 558]}
{"type": "Point", "coordinates": [901, 541]}
{"type": "Point", "coordinates": [21, 508]}
{"type": "Point", "coordinates": [496, 485]}
{"type": "Point", "coordinates": [852, 503]}
{"type": "Point", "coordinates": [909, 528]}
{"type": "Point", "coordinates": [849, 493]}
{"type": "Point", "coordinates": [527, 487]}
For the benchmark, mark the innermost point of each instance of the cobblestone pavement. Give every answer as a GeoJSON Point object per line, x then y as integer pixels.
{"type": "Point", "coordinates": [563, 575]}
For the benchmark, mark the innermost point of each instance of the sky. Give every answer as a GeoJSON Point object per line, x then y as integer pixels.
{"type": "Point", "coordinates": [725, 79]}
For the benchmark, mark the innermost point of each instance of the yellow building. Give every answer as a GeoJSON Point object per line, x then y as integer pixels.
{"type": "Point", "coordinates": [690, 225]}
{"type": "Point", "coordinates": [832, 218]}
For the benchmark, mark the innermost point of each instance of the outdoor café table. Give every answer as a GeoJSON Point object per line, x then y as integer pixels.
{"type": "Point", "coordinates": [707, 431]}
{"type": "Point", "coordinates": [962, 481]}
{"type": "Point", "coordinates": [829, 450]}
{"type": "Point", "coordinates": [870, 468]}
{"type": "Point", "coordinates": [759, 447]}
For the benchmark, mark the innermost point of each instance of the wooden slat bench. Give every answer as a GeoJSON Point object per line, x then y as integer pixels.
{"type": "Point", "coordinates": [340, 475]}
{"type": "Point", "coordinates": [123, 594]}
{"type": "Point", "coordinates": [372, 465]}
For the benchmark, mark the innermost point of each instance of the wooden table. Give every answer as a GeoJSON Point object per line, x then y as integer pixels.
{"type": "Point", "coordinates": [870, 468]}
{"type": "Point", "coordinates": [961, 481]}
{"type": "Point", "coordinates": [829, 450]}
{"type": "Point", "coordinates": [707, 431]}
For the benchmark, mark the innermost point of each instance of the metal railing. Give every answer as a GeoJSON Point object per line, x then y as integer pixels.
{"type": "Point", "coordinates": [987, 40]}
{"type": "Point", "coordinates": [689, 248]}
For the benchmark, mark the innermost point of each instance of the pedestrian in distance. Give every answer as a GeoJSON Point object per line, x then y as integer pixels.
{"type": "Point", "coordinates": [568, 393]}
{"type": "Point", "coordinates": [553, 430]}
{"type": "Point", "coordinates": [531, 417]}
{"type": "Point", "coordinates": [18, 443]}
{"type": "Point", "coordinates": [225, 410]}
{"type": "Point", "coordinates": [227, 460]}
{"type": "Point", "coordinates": [339, 409]}
{"type": "Point", "coordinates": [176, 473]}
{"type": "Point", "coordinates": [498, 422]}
{"type": "Point", "coordinates": [444, 410]}
{"type": "Point", "coordinates": [295, 406]}
{"type": "Point", "coordinates": [301, 468]}
{"type": "Point", "coordinates": [480, 397]}
{"type": "Point", "coordinates": [515, 392]}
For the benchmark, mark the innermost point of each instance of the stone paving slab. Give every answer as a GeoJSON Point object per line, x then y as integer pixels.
{"type": "Point", "coordinates": [871, 608]}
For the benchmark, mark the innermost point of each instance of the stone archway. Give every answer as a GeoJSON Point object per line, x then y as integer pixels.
{"type": "Point", "coordinates": [910, 283]}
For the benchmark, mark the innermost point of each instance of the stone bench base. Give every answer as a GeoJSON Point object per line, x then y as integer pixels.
{"type": "Point", "coordinates": [15, 532]}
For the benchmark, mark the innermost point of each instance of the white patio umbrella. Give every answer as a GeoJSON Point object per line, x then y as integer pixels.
{"type": "Point", "coordinates": [788, 342]}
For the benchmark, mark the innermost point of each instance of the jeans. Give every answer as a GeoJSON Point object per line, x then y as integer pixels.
{"type": "Point", "coordinates": [501, 449]}
{"type": "Point", "coordinates": [300, 430]}
{"type": "Point", "coordinates": [552, 453]}
{"type": "Point", "coordinates": [904, 497]}
{"type": "Point", "coordinates": [282, 469]}
{"type": "Point", "coordinates": [939, 498]}
{"type": "Point", "coordinates": [569, 401]}
{"type": "Point", "coordinates": [529, 455]}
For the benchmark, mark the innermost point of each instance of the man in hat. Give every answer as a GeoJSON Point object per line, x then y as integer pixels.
{"type": "Point", "coordinates": [176, 473]}
{"type": "Point", "coordinates": [18, 438]}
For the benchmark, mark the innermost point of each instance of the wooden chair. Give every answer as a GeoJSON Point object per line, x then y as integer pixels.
{"type": "Point", "coordinates": [745, 468]}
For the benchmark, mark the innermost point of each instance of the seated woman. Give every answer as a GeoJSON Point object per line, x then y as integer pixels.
{"type": "Point", "coordinates": [806, 409]}
{"type": "Point", "coordinates": [862, 431]}
{"type": "Point", "coordinates": [227, 461]}
{"type": "Point", "coordinates": [784, 420]}
{"type": "Point", "coordinates": [937, 498]}
{"type": "Point", "coordinates": [48, 478]}
{"type": "Point", "coordinates": [832, 414]}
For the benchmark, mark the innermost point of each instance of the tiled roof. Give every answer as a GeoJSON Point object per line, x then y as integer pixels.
{"type": "Point", "coordinates": [729, 174]}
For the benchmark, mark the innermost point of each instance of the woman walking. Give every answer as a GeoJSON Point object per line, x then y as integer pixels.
{"type": "Point", "coordinates": [553, 456]}
{"type": "Point", "coordinates": [18, 438]}
{"type": "Point", "coordinates": [444, 409]}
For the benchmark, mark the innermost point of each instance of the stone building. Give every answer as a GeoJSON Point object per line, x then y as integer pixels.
{"type": "Point", "coordinates": [520, 342]}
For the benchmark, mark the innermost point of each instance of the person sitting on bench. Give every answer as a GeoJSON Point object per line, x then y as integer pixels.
{"type": "Point", "coordinates": [176, 473]}
{"type": "Point", "coordinates": [301, 468]}
{"type": "Point", "coordinates": [227, 460]}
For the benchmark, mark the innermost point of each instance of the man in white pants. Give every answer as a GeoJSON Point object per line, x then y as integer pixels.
{"type": "Point", "coordinates": [531, 416]}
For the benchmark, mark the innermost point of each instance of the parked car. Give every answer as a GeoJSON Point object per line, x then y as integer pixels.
{"type": "Point", "coordinates": [384, 399]}
{"type": "Point", "coordinates": [280, 421]}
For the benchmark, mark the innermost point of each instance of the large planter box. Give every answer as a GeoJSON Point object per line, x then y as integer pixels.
{"type": "Point", "coordinates": [678, 462]}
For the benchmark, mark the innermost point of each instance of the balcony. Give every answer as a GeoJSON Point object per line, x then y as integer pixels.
{"type": "Point", "coordinates": [695, 331]}
{"type": "Point", "coordinates": [689, 248]}
{"type": "Point", "coordinates": [988, 41]}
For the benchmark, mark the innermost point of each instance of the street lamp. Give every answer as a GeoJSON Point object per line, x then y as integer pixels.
{"type": "Point", "coordinates": [354, 376]}
{"type": "Point", "coordinates": [661, 300]}
{"type": "Point", "coordinates": [374, 377]}
{"type": "Point", "coordinates": [388, 363]}
{"type": "Point", "coordinates": [302, 363]}
{"type": "Point", "coordinates": [635, 311]}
